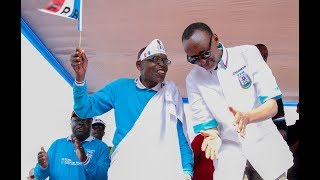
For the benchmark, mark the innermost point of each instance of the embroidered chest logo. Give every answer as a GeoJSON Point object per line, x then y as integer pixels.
{"type": "Point", "coordinates": [244, 80]}
{"type": "Point", "coordinates": [243, 77]}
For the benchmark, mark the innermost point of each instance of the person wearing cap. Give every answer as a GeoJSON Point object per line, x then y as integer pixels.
{"type": "Point", "coordinates": [97, 129]}
{"type": "Point", "coordinates": [232, 95]}
{"type": "Point", "coordinates": [150, 140]}
{"type": "Point", "coordinates": [79, 156]}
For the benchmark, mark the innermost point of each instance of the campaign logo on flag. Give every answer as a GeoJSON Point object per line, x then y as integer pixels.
{"type": "Point", "coordinates": [65, 8]}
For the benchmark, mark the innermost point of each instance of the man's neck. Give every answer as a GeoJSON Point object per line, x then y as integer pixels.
{"type": "Point", "coordinates": [82, 138]}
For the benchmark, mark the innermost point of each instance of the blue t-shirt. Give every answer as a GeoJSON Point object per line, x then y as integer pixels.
{"type": "Point", "coordinates": [65, 164]}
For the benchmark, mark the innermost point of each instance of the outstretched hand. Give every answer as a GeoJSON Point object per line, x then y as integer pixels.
{"type": "Point", "coordinates": [241, 120]}
{"type": "Point", "coordinates": [211, 143]}
{"type": "Point", "coordinates": [79, 149]}
{"type": "Point", "coordinates": [79, 62]}
{"type": "Point", "coordinates": [43, 158]}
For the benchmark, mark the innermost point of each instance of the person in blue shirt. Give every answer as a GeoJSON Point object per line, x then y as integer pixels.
{"type": "Point", "coordinates": [80, 156]}
{"type": "Point", "coordinates": [98, 128]}
{"type": "Point", "coordinates": [150, 140]}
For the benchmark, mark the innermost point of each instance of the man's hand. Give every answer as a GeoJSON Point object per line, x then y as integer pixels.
{"type": "Point", "coordinates": [79, 150]}
{"type": "Point", "coordinates": [211, 143]}
{"type": "Point", "coordinates": [241, 120]}
{"type": "Point", "coordinates": [79, 62]}
{"type": "Point", "coordinates": [43, 158]}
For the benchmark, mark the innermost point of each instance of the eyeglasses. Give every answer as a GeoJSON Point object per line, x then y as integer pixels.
{"type": "Point", "coordinates": [204, 55]}
{"type": "Point", "coordinates": [157, 59]}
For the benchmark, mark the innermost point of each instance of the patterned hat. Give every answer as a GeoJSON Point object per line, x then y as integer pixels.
{"type": "Point", "coordinates": [155, 47]}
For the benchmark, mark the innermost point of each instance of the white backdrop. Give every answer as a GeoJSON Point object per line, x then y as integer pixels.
{"type": "Point", "coordinates": [46, 106]}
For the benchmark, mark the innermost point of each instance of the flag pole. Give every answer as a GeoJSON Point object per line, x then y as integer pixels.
{"type": "Point", "coordinates": [80, 40]}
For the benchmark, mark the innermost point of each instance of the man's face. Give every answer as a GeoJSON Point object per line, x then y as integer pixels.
{"type": "Point", "coordinates": [202, 49]}
{"type": "Point", "coordinates": [81, 127]}
{"type": "Point", "coordinates": [97, 131]}
{"type": "Point", "coordinates": [153, 70]}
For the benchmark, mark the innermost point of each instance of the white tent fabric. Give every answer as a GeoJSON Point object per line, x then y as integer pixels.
{"type": "Point", "coordinates": [114, 32]}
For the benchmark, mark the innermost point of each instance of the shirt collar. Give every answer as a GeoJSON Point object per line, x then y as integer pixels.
{"type": "Point", "coordinates": [89, 139]}
{"type": "Point", "coordinates": [141, 86]}
{"type": "Point", "coordinates": [224, 57]}
{"type": "Point", "coordinates": [223, 61]}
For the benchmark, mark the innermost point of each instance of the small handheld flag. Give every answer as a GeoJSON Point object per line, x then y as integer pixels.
{"type": "Point", "coordinates": [65, 8]}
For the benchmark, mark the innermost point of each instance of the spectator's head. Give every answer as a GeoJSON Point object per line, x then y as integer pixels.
{"type": "Point", "coordinates": [152, 63]}
{"type": "Point", "coordinates": [98, 127]}
{"type": "Point", "coordinates": [31, 175]}
{"type": "Point", "coordinates": [263, 51]}
{"type": "Point", "coordinates": [80, 127]}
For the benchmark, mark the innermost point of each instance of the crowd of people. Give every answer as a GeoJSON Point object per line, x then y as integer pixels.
{"type": "Point", "coordinates": [236, 110]}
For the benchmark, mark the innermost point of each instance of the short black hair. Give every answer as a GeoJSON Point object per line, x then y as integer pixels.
{"type": "Point", "coordinates": [140, 52]}
{"type": "Point", "coordinates": [188, 32]}
{"type": "Point", "coordinates": [261, 45]}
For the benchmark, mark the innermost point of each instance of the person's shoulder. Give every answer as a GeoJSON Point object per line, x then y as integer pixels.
{"type": "Point", "coordinates": [100, 143]}
{"type": "Point", "coordinates": [170, 82]}
{"type": "Point", "coordinates": [242, 48]}
{"type": "Point", "coordinates": [59, 141]}
{"type": "Point", "coordinates": [194, 71]}
{"type": "Point", "coordinates": [121, 81]}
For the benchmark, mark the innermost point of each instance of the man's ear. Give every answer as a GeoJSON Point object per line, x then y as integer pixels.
{"type": "Point", "coordinates": [215, 40]}
{"type": "Point", "coordinates": [139, 65]}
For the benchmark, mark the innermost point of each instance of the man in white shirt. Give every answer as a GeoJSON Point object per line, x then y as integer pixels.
{"type": "Point", "coordinates": [232, 95]}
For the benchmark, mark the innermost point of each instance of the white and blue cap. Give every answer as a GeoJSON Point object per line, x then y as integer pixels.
{"type": "Point", "coordinates": [155, 47]}
{"type": "Point", "coordinates": [98, 121]}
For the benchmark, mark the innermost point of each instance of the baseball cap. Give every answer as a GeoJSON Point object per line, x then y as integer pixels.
{"type": "Point", "coordinates": [98, 121]}
{"type": "Point", "coordinates": [73, 114]}
{"type": "Point", "coordinates": [155, 47]}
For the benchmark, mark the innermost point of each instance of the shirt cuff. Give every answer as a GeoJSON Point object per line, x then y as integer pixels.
{"type": "Point", "coordinates": [206, 125]}
{"type": "Point", "coordinates": [80, 83]}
